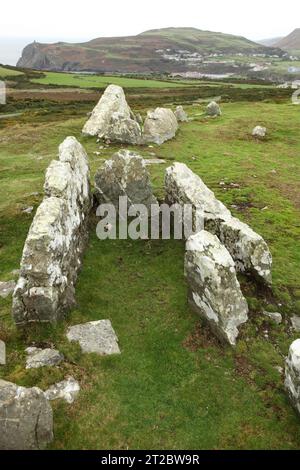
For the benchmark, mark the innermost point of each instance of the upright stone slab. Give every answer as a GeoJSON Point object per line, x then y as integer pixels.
{"type": "Point", "coordinates": [292, 375]}
{"type": "Point", "coordinates": [213, 289]}
{"type": "Point", "coordinates": [181, 115]}
{"type": "Point", "coordinates": [56, 240]}
{"type": "Point", "coordinates": [125, 174]}
{"type": "Point", "coordinates": [248, 249]}
{"type": "Point", "coordinates": [160, 125]}
{"type": "Point", "coordinates": [26, 419]}
{"type": "Point", "coordinates": [113, 119]}
{"type": "Point", "coordinates": [213, 109]}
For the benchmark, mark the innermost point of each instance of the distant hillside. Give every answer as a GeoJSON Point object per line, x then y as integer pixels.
{"type": "Point", "coordinates": [164, 50]}
{"type": "Point", "coordinates": [291, 42]}
{"type": "Point", "coordinates": [269, 42]}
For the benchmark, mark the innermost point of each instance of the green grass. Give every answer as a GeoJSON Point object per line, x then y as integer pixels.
{"type": "Point", "coordinates": [4, 72]}
{"type": "Point", "coordinates": [97, 81]}
{"type": "Point", "coordinates": [173, 386]}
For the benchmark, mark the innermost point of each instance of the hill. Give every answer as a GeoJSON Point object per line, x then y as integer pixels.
{"type": "Point", "coordinates": [290, 43]}
{"type": "Point", "coordinates": [269, 41]}
{"type": "Point", "coordinates": [164, 50]}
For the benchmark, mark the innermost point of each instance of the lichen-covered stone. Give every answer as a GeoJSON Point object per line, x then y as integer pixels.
{"type": "Point", "coordinates": [95, 337]}
{"type": "Point", "coordinates": [26, 418]}
{"type": "Point", "coordinates": [160, 125]}
{"type": "Point", "coordinates": [37, 357]}
{"type": "Point", "coordinates": [66, 390]}
{"type": "Point", "coordinates": [292, 375]}
{"type": "Point", "coordinates": [112, 118]}
{"type": "Point", "coordinates": [124, 130]}
{"type": "Point", "coordinates": [214, 291]}
{"type": "Point", "coordinates": [56, 240]}
{"type": "Point", "coordinates": [124, 175]}
{"type": "Point", "coordinates": [181, 115]}
{"type": "Point", "coordinates": [248, 249]}
{"type": "Point", "coordinates": [213, 109]}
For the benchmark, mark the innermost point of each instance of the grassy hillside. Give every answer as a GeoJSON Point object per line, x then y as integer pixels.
{"type": "Point", "coordinates": [148, 52]}
{"type": "Point", "coordinates": [9, 72]}
{"type": "Point", "coordinates": [173, 386]}
{"type": "Point", "coordinates": [291, 43]}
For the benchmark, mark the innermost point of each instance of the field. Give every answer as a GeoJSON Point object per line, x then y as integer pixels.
{"type": "Point", "coordinates": [96, 81]}
{"type": "Point", "coordinates": [4, 72]}
{"type": "Point", "coordinates": [174, 386]}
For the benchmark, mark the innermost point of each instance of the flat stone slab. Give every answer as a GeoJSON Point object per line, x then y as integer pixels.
{"type": "Point", "coordinates": [7, 288]}
{"type": "Point", "coordinates": [67, 390]}
{"type": "Point", "coordinates": [95, 337]}
{"type": "Point", "coordinates": [2, 353]}
{"type": "Point", "coordinates": [37, 357]}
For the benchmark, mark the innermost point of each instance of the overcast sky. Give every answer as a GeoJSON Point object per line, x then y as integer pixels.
{"type": "Point", "coordinates": [72, 20]}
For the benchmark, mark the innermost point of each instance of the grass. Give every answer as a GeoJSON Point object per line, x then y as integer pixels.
{"type": "Point", "coordinates": [97, 81]}
{"type": "Point", "coordinates": [173, 386]}
{"type": "Point", "coordinates": [4, 72]}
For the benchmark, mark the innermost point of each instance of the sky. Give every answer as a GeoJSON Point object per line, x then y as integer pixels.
{"type": "Point", "coordinates": [22, 21]}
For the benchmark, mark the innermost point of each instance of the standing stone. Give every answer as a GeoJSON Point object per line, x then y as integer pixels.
{"type": "Point", "coordinates": [160, 125]}
{"type": "Point", "coordinates": [259, 132]}
{"type": "Point", "coordinates": [181, 115]}
{"type": "Point", "coordinates": [213, 109]}
{"type": "Point", "coordinates": [124, 130]}
{"type": "Point", "coordinates": [26, 419]}
{"type": "Point", "coordinates": [124, 175]}
{"type": "Point", "coordinates": [292, 375]}
{"type": "Point", "coordinates": [95, 337]}
{"type": "Point", "coordinates": [37, 357]}
{"type": "Point", "coordinates": [56, 240]}
{"type": "Point", "coordinates": [2, 353]}
{"type": "Point", "coordinates": [112, 118]}
{"type": "Point", "coordinates": [214, 291]}
{"type": "Point", "coordinates": [248, 249]}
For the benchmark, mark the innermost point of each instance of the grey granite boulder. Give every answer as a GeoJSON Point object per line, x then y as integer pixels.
{"type": "Point", "coordinates": [95, 337]}
{"type": "Point", "coordinates": [160, 125]}
{"type": "Point", "coordinates": [181, 115]}
{"type": "Point", "coordinates": [2, 353]}
{"type": "Point", "coordinates": [56, 240]}
{"type": "Point", "coordinates": [26, 418]}
{"type": "Point", "coordinates": [66, 390]}
{"type": "Point", "coordinates": [37, 357]}
{"type": "Point", "coordinates": [292, 375]}
{"type": "Point", "coordinates": [124, 175]}
{"type": "Point", "coordinates": [123, 130]}
{"type": "Point", "coordinates": [248, 249]}
{"type": "Point", "coordinates": [213, 109]}
{"type": "Point", "coordinates": [112, 118]}
{"type": "Point", "coordinates": [213, 289]}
